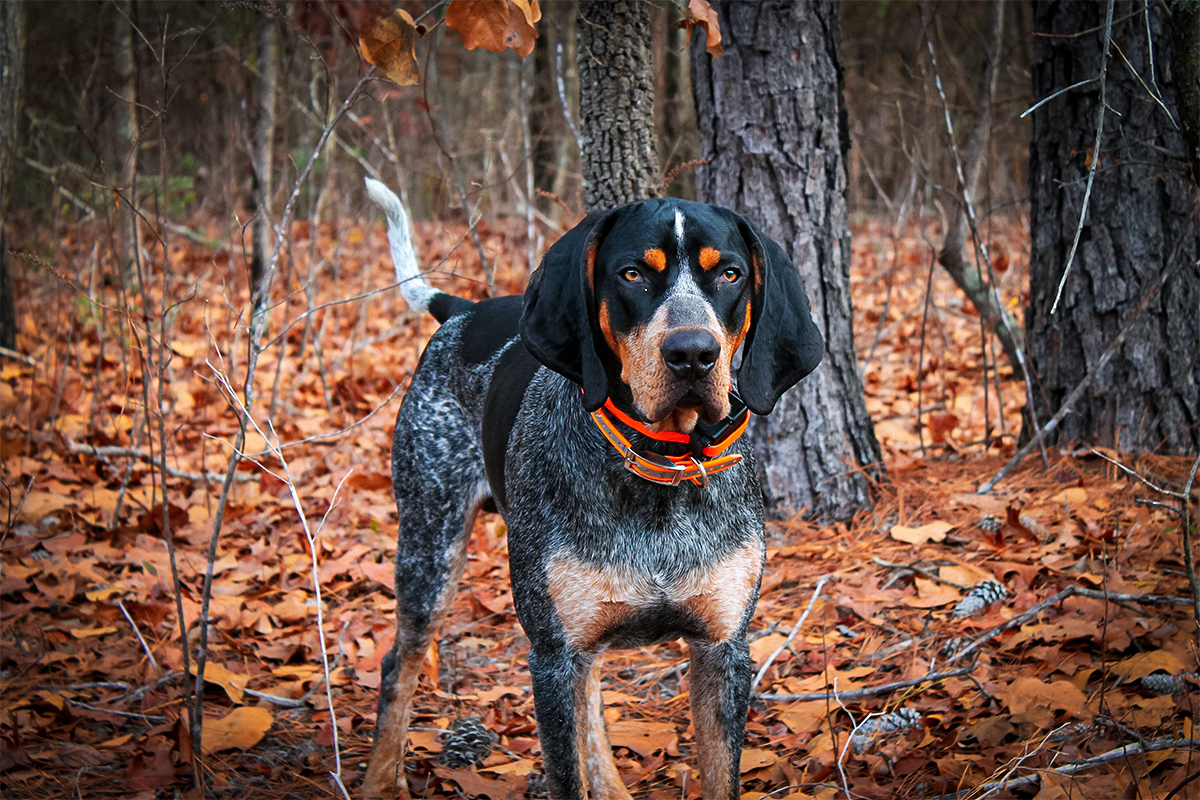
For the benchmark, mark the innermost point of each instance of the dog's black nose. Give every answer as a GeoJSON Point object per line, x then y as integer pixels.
{"type": "Point", "coordinates": [690, 353]}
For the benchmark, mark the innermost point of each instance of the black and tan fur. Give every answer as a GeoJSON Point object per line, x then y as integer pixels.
{"type": "Point", "coordinates": [661, 306]}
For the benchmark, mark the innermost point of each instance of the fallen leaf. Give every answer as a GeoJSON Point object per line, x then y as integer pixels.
{"type": "Point", "coordinates": [931, 532]}
{"type": "Point", "coordinates": [523, 766]}
{"type": "Point", "coordinates": [757, 758]}
{"type": "Point", "coordinates": [643, 737]}
{"type": "Point", "coordinates": [84, 633]}
{"type": "Point", "coordinates": [931, 594]}
{"type": "Point", "coordinates": [475, 785]}
{"type": "Point", "coordinates": [241, 729]}
{"type": "Point", "coordinates": [1140, 665]}
{"type": "Point", "coordinates": [231, 682]}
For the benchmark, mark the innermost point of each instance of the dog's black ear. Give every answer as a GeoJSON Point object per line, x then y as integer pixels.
{"type": "Point", "coordinates": [558, 324]}
{"type": "Point", "coordinates": [783, 344]}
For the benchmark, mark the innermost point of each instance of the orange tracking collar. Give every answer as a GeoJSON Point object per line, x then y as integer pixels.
{"type": "Point", "coordinates": [672, 470]}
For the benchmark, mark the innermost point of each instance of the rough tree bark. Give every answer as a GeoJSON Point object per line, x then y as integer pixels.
{"type": "Point", "coordinates": [1185, 74]}
{"type": "Point", "coordinates": [12, 60]}
{"type": "Point", "coordinates": [1139, 217]}
{"type": "Point", "coordinates": [616, 103]}
{"type": "Point", "coordinates": [773, 124]}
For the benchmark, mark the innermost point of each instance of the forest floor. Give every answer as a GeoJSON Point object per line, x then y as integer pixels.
{"type": "Point", "coordinates": [885, 690]}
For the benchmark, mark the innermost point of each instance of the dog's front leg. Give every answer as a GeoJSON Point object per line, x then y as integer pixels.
{"type": "Point", "coordinates": [560, 677]}
{"type": "Point", "coordinates": [595, 750]}
{"type": "Point", "coordinates": [719, 680]}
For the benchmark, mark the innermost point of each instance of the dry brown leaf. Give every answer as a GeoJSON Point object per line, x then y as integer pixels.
{"type": "Point", "coordinates": [644, 737]}
{"type": "Point", "coordinates": [241, 729]}
{"type": "Point", "coordinates": [1031, 700]}
{"type": "Point", "coordinates": [702, 15]}
{"type": "Point", "coordinates": [931, 532]}
{"type": "Point", "coordinates": [931, 594]}
{"type": "Point", "coordinates": [494, 24]}
{"type": "Point", "coordinates": [757, 758]}
{"type": "Point", "coordinates": [475, 785]}
{"type": "Point", "coordinates": [1140, 665]}
{"type": "Point", "coordinates": [233, 683]}
{"type": "Point", "coordinates": [388, 44]}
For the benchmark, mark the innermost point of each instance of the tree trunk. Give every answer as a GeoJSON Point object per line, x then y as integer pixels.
{"type": "Point", "coordinates": [127, 143]}
{"type": "Point", "coordinates": [1185, 74]}
{"type": "Point", "coordinates": [616, 103]}
{"type": "Point", "coordinates": [773, 124]}
{"type": "Point", "coordinates": [264, 154]}
{"type": "Point", "coordinates": [1138, 220]}
{"type": "Point", "coordinates": [12, 60]}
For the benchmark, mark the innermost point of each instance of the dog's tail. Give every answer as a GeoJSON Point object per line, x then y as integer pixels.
{"type": "Point", "coordinates": [417, 292]}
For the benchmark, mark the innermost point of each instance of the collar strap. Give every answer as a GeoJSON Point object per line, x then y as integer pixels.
{"type": "Point", "coordinates": [671, 470]}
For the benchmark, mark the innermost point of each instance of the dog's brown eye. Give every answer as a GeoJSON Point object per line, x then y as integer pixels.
{"type": "Point", "coordinates": [732, 275]}
{"type": "Point", "coordinates": [630, 275]}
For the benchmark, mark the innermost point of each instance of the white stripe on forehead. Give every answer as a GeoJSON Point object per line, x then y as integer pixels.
{"type": "Point", "coordinates": [679, 232]}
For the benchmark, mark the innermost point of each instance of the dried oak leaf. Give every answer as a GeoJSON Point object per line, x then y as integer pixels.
{"type": "Point", "coordinates": [241, 729]}
{"type": "Point", "coordinates": [930, 532]}
{"type": "Point", "coordinates": [701, 15]}
{"type": "Point", "coordinates": [388, 44]}
{"type": "Point", "coordinates": [495, 24]}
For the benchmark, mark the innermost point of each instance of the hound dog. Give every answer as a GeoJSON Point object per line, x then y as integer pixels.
{"type": "Point", "coordinates": [601, 416]}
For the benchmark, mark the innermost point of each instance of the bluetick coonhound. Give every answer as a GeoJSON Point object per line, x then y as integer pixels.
{"type": "Point", "coordinates": [600, 414]}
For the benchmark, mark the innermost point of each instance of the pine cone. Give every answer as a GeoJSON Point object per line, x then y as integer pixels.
{"type": "Point", "coordinates": [876, 727]}
{"type": "Point", "coordinates": [467, 742]}
{"type": "Point", "coordinates": [990, 523]}
{"type": "Point", "coordinates": [1164, 683]}
{"type": "Point", "coordinates": [980, 597]}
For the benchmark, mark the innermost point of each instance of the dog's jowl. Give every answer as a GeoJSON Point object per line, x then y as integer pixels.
{"type": "Point", "coordinates": [602, 415]}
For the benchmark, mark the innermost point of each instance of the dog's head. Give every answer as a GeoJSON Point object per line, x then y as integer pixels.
{"type": "Point", "coordinates": [651, 302]}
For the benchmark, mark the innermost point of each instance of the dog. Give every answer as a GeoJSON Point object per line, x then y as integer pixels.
{"type": "Point", "coordinates": [601, 414]}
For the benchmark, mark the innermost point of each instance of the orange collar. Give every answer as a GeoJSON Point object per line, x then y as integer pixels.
{"type": "Point", "coordinates": [672, 470]}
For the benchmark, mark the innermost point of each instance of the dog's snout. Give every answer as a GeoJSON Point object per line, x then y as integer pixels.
{"type": "Point", "coordinates": [690, 353]}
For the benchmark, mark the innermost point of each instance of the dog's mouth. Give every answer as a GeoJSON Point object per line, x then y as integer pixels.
{"type": "Point", "coordinates": [687, 406]}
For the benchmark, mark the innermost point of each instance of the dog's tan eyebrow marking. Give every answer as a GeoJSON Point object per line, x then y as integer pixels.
{"type": "Point", "coordinates": [655, 258]}
{"type": "Point", "coordinates": [709, 257]}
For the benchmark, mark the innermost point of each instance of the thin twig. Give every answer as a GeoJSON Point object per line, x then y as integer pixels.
{"type": "Point", "coordinates": [1070, 591]}
{"type": "Point", "coordinates": [869, 691]}
{"type": "Point", "coordinates": [1053, 95]}
{"type": "Point", "coordinates": [13, 354]}
{"type": "Point", "coordinates": [824, 579]}
{"type": "Point", "coordinates": [115, 713]}
{"type": "Point", "coordinates": [1020, 619]}
{"type": "Point", "coordinates": [106, 452]}
{"type": "Point", "coordinates": [1153, 94]}
{"type": "Point", "coordinates": [138, 634]}
{"type": "Point", "coordinates": [1122, 753]}
{"type": "Point", "coordinates": [257, 327]}
{"type": "Point", "coordinates": [1136, 474]}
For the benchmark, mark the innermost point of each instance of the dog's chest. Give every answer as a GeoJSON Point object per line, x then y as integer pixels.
{"type": "Point", "coordinates": [594, 600]}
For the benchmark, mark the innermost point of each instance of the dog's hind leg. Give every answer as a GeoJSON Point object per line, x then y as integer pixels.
{"type": "Point", "coordinates": [437, 509]}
